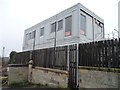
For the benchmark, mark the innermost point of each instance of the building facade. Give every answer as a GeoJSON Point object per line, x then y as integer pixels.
{"type": "Point", "coordinates": [76, 24]}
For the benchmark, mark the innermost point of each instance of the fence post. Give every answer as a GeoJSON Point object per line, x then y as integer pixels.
{"type": "Point", "coordinates": [68, 51]}
{"type": "Point", "coordinates": [30, 71]}
{"type": "Point", "coordinates": [77, 66]}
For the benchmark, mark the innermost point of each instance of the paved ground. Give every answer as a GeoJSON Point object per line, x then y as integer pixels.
{"type": "Point", "coordinates": [35, 88]}
{"type": "Point", "coordinates": [31, 89]}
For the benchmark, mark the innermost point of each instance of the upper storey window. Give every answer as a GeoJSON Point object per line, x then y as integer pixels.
{"type": "Point", "coordinates": [68, 25]}
{"type": "Point", "coordinates": [53, 27]}
{"type": "Point", "coordinates": [83, 24]}
{"type": "Point", "coordinates": [60, 25]}
{"type": "Point", "coordinates": [42, 31]}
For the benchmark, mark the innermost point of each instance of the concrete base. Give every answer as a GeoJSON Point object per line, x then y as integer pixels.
{"type": "Point", "coordinates": [17, 74]}
{"type": "Point", "coordinates": [98, 79]}
{"type": "Point", "coordinates": [50, 77]}
{"type": "Point", "coordinates": [88, 78]}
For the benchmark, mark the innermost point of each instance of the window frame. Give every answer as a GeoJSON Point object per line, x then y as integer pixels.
{"type": "Point", "coordinates": [42, 31]}
{"type": "Point", "coordinates": [52, 31]}
{"type": "Point", "coordinates": [27, 36]}
{"type": "Point", "coordinates": [83, 25]}
{"type": "Point", "coordinates": [68, 33]}
{"type": "Point", "coordinates": [59, 23]}
{"type": "Point", "coordinates": [33, 34]}
{"type": "Point", "coordinates": [30, 35]}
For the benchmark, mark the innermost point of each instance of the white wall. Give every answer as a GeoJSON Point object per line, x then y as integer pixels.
{"type": "Point", "coordinates": [47, 40]}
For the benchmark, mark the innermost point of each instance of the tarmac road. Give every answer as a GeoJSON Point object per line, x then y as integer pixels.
{"type": "Point", "coordinates": [34, 89]}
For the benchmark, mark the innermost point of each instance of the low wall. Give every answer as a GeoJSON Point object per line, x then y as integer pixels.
{"type": "Point", "coordinates": [17, 74]}
{"type": "Point", "coordinates": [94, 78]}
{"type": "Point", "coordinates": [50, 77]}
{"type": "Point", "coordinates": [88, 77]}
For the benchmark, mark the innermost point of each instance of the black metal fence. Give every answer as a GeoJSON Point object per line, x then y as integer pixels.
{"type": "Point", "coordinates": [95, 54]}
{"type": "Point", "coordinates": [45, 57]}
{"type": "Point", "coordinates": [100, 54]}
{"type": "Point", "coordinates": [22, 57]}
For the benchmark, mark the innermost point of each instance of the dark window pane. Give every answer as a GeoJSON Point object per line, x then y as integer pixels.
{"type": "Point", "coordinates": [68, 25]}
{"type": "Point", "coordinates": [60, 24]}
{"type": "Point", "coordinates": [53, 27]}
{"type": "Point", "coordinates": [27, 36]}
{"type": "Point", "coordinates": [42, 31]}
{"type": "Point", "coordinates": [32, 35]}
{"type": "Point", "coordinates": [83, 24]}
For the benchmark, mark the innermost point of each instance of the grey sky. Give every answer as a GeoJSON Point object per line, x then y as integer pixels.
{"type": "Point", "coordinates": [18, 15]}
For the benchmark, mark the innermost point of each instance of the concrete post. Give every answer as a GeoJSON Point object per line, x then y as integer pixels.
{"type": "Point", "coordinates": [30, 71]}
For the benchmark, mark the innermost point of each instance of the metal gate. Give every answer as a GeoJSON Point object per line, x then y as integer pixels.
{"type": "Point", "coordinates": [73, 77]}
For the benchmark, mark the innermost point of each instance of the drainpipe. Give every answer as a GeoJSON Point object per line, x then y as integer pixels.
{"type": "Point", "coordinates": [93, 27]}
{"type": "Point", "coordinates": [34, 40]}
{"type": "Point", "coordinates": [55, 42]}
{"type": "Point", "coordinates": [55, 46]}
{"type": "Point", "coordinates": [31, 61]}
{"type": "Point", "coordinates": [33, 48]}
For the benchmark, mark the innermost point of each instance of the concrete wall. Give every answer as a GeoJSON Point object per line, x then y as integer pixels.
{"type": "Point", "coordinates": [17, 74]}
{"type": "Point", "coordinates": [50, 77]}
{"type": "Point", "coordinates": [98, 79]}
{"type": "Point", "coordinates": [87, 77]}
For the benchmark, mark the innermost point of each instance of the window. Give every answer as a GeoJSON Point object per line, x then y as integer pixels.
{"type": "Point", "coordinates": [27, 36]}
{"type": "Point", "coordinates": [42, 31]}
{"type": "Point", "coordinates": [33, 34]}
{"type": "Point", "coordinates": [60, 25]}
{"type": "Point", "coordinates": [30, 35]}
{"type": "Point", "coordinates": [53, 27]}
{"type": "Point", "coordinates": [68, 25]}
{"type": "Point", "coordinates": [83, 24]}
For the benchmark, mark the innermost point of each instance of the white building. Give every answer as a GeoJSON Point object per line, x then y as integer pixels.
{"type": "Point", "coordinates": [76, 24]}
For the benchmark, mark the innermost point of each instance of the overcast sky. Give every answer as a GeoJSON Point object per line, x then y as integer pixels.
{"type": "Point", "coordinates": [18, 15]}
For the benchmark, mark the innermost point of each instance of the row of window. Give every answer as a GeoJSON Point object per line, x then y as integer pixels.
{"type": "Point", "coordinates": [53, 27]}
{"type": "Point", "coordinates": [68, 27]}
{"type": "Point", "coordinates": [60, 26]}
{"type": "Point", "coordinates": [30, 35]}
